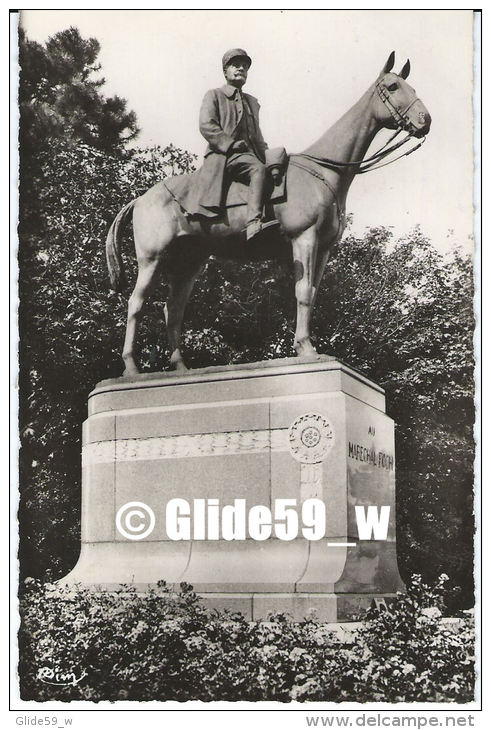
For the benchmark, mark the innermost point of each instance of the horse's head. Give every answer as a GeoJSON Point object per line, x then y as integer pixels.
{"type": "Point", "coordinates": [396, 103]}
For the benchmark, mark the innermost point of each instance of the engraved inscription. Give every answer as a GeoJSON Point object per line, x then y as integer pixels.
{"type": "Point", "coordinates": [369, 456]}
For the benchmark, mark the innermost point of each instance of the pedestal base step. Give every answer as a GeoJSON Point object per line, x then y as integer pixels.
{"type": "Point", "coordinates": [325, 607]}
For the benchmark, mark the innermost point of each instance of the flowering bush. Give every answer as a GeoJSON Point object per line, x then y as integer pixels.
{"type": "Point", "coordinates": [164, 645]}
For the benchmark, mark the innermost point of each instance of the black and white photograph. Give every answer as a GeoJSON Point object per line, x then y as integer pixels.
{"type": "Point", "coordinates": [245, 270]}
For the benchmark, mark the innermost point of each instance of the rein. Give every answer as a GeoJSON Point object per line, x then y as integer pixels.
{"type": "Point", "coordinates": [372, 163]}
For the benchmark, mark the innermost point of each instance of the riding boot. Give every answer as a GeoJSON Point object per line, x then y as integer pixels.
{"type": "Point", "coordinates": [257, 184]}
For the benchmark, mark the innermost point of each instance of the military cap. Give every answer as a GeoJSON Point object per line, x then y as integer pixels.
{"type": "Point", "coordinates": [234, 53]}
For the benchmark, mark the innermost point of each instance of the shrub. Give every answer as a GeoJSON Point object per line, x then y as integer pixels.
{"type": "Point", "coordinates": [165, 645]}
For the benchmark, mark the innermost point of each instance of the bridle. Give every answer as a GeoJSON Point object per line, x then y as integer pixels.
{"type": "Point", "coordinates": [374, 162]}
{"type": "Point", "coordinates": [401, 118]}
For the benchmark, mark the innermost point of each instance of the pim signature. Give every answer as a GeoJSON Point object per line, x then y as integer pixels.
{"type": "Point", "coordinates": [58, 677]}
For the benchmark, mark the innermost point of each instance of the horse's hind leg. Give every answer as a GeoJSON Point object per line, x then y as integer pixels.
{"type": "Point", "coordinates": [148, 271]}
{"type": "Point", "coordinates": [180, 287]}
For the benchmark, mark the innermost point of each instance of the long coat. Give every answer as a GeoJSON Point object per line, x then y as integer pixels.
{"type": "Point", "coordinates": [219, 119]}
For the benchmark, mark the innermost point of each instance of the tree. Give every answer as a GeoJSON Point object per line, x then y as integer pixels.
{"type": "Point", "coordinates": [59, 97]}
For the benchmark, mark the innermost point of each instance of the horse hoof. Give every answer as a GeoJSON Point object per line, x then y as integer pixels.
{"type": "Point", "coordinates": [178, 366]}
{"type": "Point", "coordinates": [130, 372]}
{"type": "Point", "coordinates": [305, 352]}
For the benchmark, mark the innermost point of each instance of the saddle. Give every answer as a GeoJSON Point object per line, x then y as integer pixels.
{"type": "Point", "coordinates": [236, 193]}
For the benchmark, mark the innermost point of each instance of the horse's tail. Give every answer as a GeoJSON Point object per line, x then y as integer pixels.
{"type": "Point", "coordinates": [113, 250]}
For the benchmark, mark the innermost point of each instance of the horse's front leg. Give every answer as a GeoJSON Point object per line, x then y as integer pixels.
{"type": "Point", "coordinates": [320, 267]}
{"type": "Point", "coordinates": [304, 266]}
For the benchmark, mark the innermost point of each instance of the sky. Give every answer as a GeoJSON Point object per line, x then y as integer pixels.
{"type": "Point", "coordinates": [308, 68]}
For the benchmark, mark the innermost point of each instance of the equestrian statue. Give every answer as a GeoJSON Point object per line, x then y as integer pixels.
{"type": "Point", "coordinates": [249, 203]}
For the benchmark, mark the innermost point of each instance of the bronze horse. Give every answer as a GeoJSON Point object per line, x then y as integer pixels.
{"type": "Point", "coordinates": [311, 219]}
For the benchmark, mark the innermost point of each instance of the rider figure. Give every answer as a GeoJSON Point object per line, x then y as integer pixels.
{"type": "Point", "coordinates": [229, 121]}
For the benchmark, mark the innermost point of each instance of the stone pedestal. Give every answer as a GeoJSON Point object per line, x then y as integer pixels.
{"type": "Point", "coordinates": [284, 429]}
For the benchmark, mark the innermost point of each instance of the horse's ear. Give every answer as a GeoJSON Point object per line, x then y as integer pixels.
{"type": "Point", "coordinates": [405, 70]}
{"type": "Point", "coordinates": [388, 64]}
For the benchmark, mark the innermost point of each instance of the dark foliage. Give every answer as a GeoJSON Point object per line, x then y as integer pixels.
{"type": "Point", "coordinates": [60, 98]}
{"type": "Point", "coordinates": [166, 646]}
